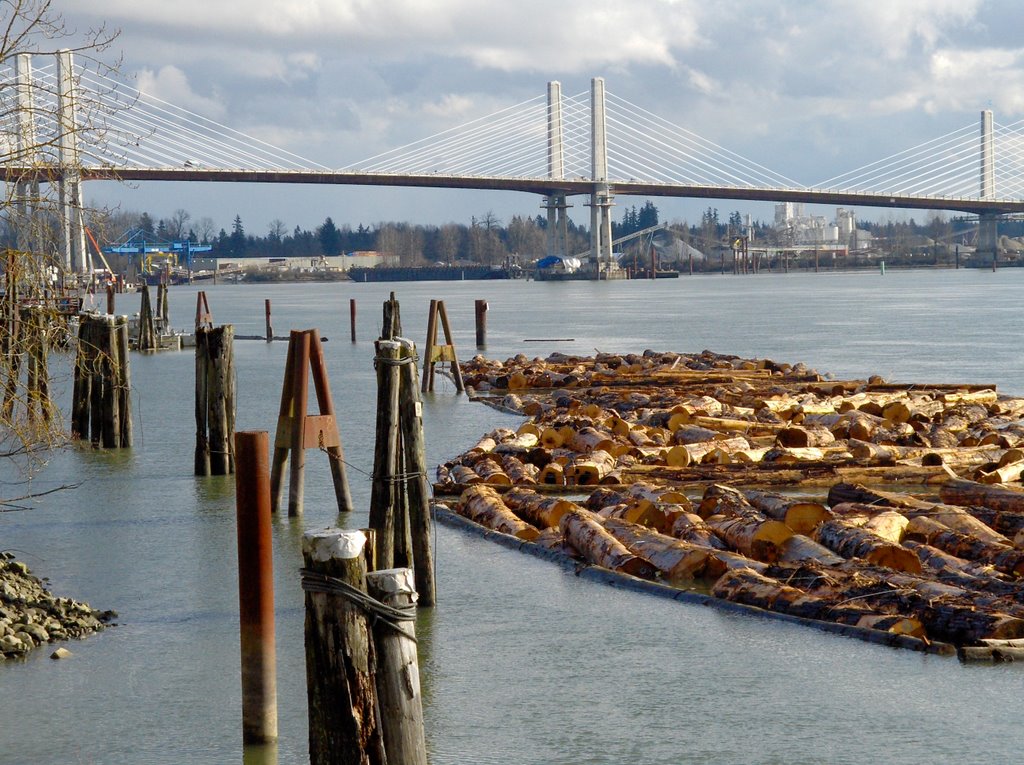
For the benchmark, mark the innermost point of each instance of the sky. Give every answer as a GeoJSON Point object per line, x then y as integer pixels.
{"type": "Point", "coordinates": [809, 89]}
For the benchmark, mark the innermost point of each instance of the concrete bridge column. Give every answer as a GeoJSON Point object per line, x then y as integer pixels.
{"type": "Point", "coordinates": [26, 192]}
{"type": "Point", "coordinates": [601, 200]}
{"type": "Point", "coordinates": [558, 229]}
{"type": "Point", "coordinates": [73, 250]}
{"type": "Point", "coordinates": [988, 224]}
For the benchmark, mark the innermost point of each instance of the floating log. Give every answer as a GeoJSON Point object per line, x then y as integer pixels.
{"type": "Point", "coordinates": [491, 472]}
{"type": "Point", "coordinates": [800, 514]}
{"type": "Point", "coordinates": [585, 532]}
{"type": "Point", "coordinates": [854, 542]}
{"type": "Point", "coordinates": [755, 536]}
{"type": "Point", "coordinates": [961, 492]}
{"type": "Point", "coordinates": [799, 548]}
{"type": "Point", "coordinates": [536, 509]}
{"type": "Point", "coordinates": [690, 527]}
{"type": "Point", "coordinates": [674, 558]}
{"type": "Point", "coordinates": [755, 589]}
{"type": "Point", "coordinates": [1002, 557]}
{"type": "Point", "coordinates": [804, 437]}
{"type": "Point", "coordinates": [589, 470]}
{"type": "Point", "coordinates": [482, 504]}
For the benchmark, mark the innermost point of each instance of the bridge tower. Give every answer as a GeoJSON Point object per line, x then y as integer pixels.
{"type": "Point", "coordinates": [558, 225]}
{"type": "Point", "coordinates": [988, 223]}
{"type": "Point", "coordinates": [601, 200]}
{"type": "Point", "coordinates": [26, 192]}
{"type": "Point", "coordinates": [69, 183]}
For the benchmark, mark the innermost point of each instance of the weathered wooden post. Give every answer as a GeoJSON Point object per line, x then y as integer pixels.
{"type": "Point", "coordinates": [344, 723]}
{"type": "Point", "coordinates": [270, 329]}
{"type": "Point", "coordinates": [815, 260]}
{"type": "Point", "coordinates": [417, 485]}
{"type": "Point", "coordinates": [382, 493]}
{"type": "Point", "coordinates": [110, 299]}
{"type": "Point", "coordinates": [147, 333]}
{"type": "Point", "coordinates": [101, 401]}
{"type": "Point", "coordinates": [481, 323]}
{"type": "Point", "coordinates": [352, 317]}
{"type": "Point", "coordinates": [124, 380]}
{"type": "Point", "coordinates": [255, 589]}
{"type": "Point", "coordinates": [398, 676]}
{"type": "Point", "coordinates": [215, 401]}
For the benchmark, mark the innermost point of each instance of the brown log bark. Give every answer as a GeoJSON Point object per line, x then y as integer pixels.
{"type": "Point", "coordinates": [961, 492]}
{"type": "Point", "coordinates": [536, 509]}
{"type": "Point", "coordinates": [799, 548]}
{"type": "Point", "coordinates": [804, 437]}
{"type": "Point", "coordinates": [754, 589]}
{"type": "Point", "coordinates": [800, 514]}
{"type": "Point", "coordinates": [584, 531]}
{"type": "Point", "coordinates": [483, 505]}
{"type": "Point", "coordinates": [854, 542]}
{"type": "Point", "coordinates": [690, 527]}
{"type": "Point", "coordinates": [589, 470]}
{"type": "Point", "coordinates": [755, 536]}
{"type": "Point", "coordinates": [490, 472]}
{"type": "Point", "coordinates": [1003, 557]}
{"type": "Point", "coordinates": [674, 558]}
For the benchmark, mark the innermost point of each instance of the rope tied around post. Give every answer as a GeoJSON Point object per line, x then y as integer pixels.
{"type": "Point", "coordinates": [399, 362]}
{"type": "Point", "coordinates": [377, 612]}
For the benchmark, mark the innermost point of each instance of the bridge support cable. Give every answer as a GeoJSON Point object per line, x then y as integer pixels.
{"type": "Point", "coordinates": [601, 199]}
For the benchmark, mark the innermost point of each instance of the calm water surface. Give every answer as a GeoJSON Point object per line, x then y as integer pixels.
{"type": "Point", "coordinates": [521, 662]}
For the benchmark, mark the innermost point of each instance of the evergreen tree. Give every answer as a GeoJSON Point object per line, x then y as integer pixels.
{"type": "Point", "coordinates": [329, 238]}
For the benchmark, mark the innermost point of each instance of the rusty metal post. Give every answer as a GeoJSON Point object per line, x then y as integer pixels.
{"type": "Point", "coordinates": [352, 316]}
{"type": "Point", "coordinates": [255, 588]}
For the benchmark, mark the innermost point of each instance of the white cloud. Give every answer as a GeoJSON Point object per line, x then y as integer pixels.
{"type": "Point", "coordinates": [171, 84]}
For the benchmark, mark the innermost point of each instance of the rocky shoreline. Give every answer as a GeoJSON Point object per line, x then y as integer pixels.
{"type": "Point", "coordinates": [31, 616]}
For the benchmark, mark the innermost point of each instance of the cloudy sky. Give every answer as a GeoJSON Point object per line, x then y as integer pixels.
{"type": "Point", "coordinates": [809, 89]}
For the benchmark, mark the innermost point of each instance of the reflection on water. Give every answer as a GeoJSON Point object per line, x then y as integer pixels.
{"type": "Point", "coordinates": [521, 661]}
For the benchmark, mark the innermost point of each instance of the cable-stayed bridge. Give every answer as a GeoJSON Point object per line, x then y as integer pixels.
{"type": "Point", "coordinates": [64, 124]}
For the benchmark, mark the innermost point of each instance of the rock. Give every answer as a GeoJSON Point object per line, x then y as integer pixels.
{"type": "Point", "coordinates": [12, 644]}
{"type": "Point", "coordinates": [38, 633]}
{"type": "Point", "coordinates": [61, 653]}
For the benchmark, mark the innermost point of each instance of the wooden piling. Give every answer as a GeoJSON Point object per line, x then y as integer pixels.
{"type": "Point", "coordinates": [101, 400]}
{"type": "Point", "coordinates": [383, 494]}
{"type": "Point", "coordinates": [110, 299]}
{"type": "Point", "coordinates": [215, 401]}
{"type": "Point", "coordinates": [255, 589]}
{"type": "Point", "coordinates": [124, 381]}
{"type": "Point", "coordinates": [417, 484]}
{"type": "Point", "coordinates": [481, 323]}
{"type": "Point", "coordinates": [344, 723]}
{"type": "Point", "coordinates": [398, 682]}
{"type": "Point", "coordinates": [300, 393]}
{"type": "Point", "coordinates": [146, 340]}
{"type": "Point", "coordinates": [352, 317]}
{"type": "Point", "coordinates": [270, 329]}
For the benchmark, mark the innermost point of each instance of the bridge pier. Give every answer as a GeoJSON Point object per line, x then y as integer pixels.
{"type": "Point", "coordinates": [601, 199]}
{"type": "Point", "coordinates": [987, 249]}
{"type": "Point", "coordinates": [69, 182]}
{"type": "Point", "coordinates": [26, 192]}
{"type": "Point", "coordinates": [558, 223]}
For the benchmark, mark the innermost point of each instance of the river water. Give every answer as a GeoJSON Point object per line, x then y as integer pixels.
{"type": "Point", "coordinates": [521, 662]}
